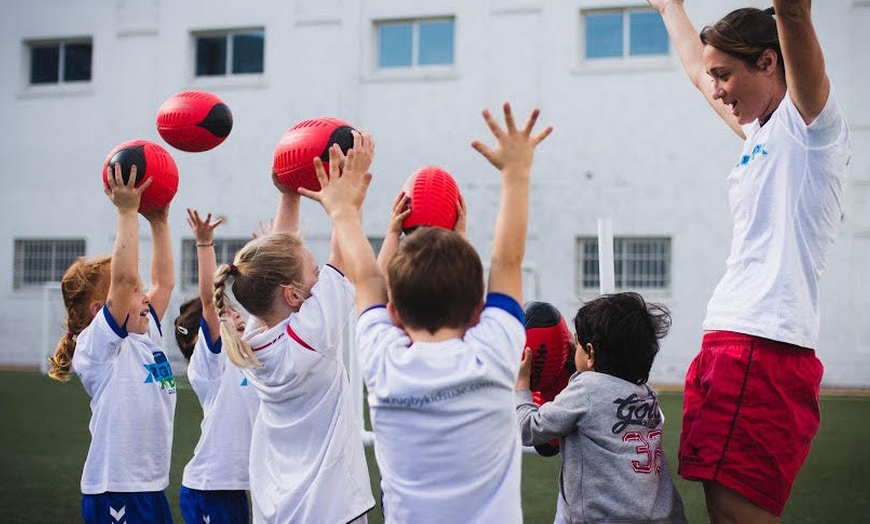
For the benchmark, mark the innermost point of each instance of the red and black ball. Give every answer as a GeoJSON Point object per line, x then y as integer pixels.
{"type": "Point", "coordinates": [548, 337]}
{"type": "Point", "coordinates": [293, 163]}
{"type": "Point", "coordinates": [194, 121]}
{"type": "Point", "coordinates": [151, 161]}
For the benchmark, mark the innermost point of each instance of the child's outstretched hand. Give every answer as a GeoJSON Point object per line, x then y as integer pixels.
{"type": "Point", "coordinates": [203, 230]}
{"type": "Point", "coordinates": [344, 190]}
{"type": "Point", "coordinates": [124, 195]}
{"type": "Point", "coordinates": [400, 211]}
{"type": "Point", "coordinates": [515, 147]}
{"type": "Point", "coordinates": [524, 378]}
{"type": "Point", "coordinates": [461, 218]}
{"type": "Point", "coordinates": [159, 215]}
{"type": "Point", "coordinates": [263, 229]}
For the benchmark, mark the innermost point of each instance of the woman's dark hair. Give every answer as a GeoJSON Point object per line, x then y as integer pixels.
{"type": "Point", "coordinates": [624, 331]}
{"type": "Point", "coordinates": [745, 34]}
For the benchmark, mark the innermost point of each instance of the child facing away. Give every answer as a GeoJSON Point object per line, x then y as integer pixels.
{"type": "Point", "coordinates": [113, 344]}
{"type": "Point", "coordinates": [439, 360]}
{"type": "Point", "coordinates": [307, 463]}
{"type": "Point", "coordinates": [607, 419]}
{"type": "Point", "coordinates": [215, 481]}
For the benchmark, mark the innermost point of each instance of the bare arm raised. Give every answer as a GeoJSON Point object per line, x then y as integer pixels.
{"type": "Point", "coordinates": [203, 232]}
{"type": "Point", "coordinates": [687, 43]}
{"type": "Point", "coordinates": [125, 254]}
{"type": "Point", "coordinates": [342, 198]}
{"type": "Point", "coordinates": [512, 156]}
{"type": "Point", "coordinates": [808, 84]}
{"type": "Point", "coordinates": [162, 262]}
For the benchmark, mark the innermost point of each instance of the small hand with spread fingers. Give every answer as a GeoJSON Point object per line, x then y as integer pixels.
{"type": "Point", "coordinates": [124, 195]}
{"type": "Point", "coordinates": [344, 188]}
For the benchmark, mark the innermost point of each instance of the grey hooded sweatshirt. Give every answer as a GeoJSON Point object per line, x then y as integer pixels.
{"type": "Point", "coordinates": [610, 436]}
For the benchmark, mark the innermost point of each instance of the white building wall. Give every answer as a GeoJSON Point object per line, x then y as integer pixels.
{"type": "Point", "coordinates": [636, 144]}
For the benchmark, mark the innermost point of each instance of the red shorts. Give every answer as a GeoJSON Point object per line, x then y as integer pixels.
{"type": "Point", "coordinates": [750, 412]}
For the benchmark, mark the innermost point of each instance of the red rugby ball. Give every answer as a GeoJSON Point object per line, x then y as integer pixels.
{"type": "Point", "coordinates": [194, 121]}
{"type": "Point", "coordinates": [548, 337]}
{"type": "Point", "coordinates": [434, 194]}
{"type": "Point", "coordinates": [293, 161]}
{"type": "Point", "coordinates": [151, 161]}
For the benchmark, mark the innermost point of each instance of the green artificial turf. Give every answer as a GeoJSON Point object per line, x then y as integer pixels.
{"type": "Point", "coordinates": [44, 440]}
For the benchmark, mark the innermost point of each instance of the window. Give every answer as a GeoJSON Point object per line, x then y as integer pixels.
{"type": "Point", "coordinates": [44, 260]}
{"type": "Point", "coordinates": [625, 33]}
{"type": "Point", "coordinates": [377, 243]}
{"type": "Point", "coordinates": [224, 249]}
{"type": "Point", "coordinates": [229, 53]}
{"type": "Point", "coordinates": [639, 263]}
{"type": "Point", "coordinates": [415, 43]}
{"type": "Point", "coordinates": [60, 62]}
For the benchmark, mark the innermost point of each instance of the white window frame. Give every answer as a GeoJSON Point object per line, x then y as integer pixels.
{"type": "Point", "coordinates": [415, 70]}
{"type": "Point", "coordinates": [228, 76]}
{"type": "Point", "coordinates": [26, 271]}
{"type": "Point", "coordinates": [649, 281]}
{"type": "Point", "coordinates": [621, 63]}
{"type": "Point", "coordinates": [61, 85]}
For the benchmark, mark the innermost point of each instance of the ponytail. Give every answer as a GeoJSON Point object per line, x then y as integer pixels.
{"type": "Point", "coordinates": [259, 272]}
{"type": "Point", "coordinates": [86, 281]}
{"type": "Point", "coordinates": [61, 362]}
{"type": "Point", "coordinates": [237, 350]}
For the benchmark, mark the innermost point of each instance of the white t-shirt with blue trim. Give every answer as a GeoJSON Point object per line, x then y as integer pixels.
{"type": "Point", "coordinates": [229, 406]}
{"type": "Point", "coordinates": [132, 390]}
{"type": "Point", "coordinates": [307, 457]}
{"type": "Point", "coordinates": [786, 195]}
{"type": "Point", "coordinates": [446, 433]}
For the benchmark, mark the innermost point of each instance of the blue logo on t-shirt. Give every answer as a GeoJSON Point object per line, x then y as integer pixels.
{"type": "Point", "coordinates": [160, 371]}
{"type": "Point", "coordinates": [757, 151]}
{"type": "Point", "coordinates": [244, 381]}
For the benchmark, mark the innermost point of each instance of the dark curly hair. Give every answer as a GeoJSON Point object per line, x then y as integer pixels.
{"type": "Point", "coordinates": [624, 331]}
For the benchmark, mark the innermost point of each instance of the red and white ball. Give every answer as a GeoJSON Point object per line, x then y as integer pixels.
{"type": "Point", "coordinates": [434, 194]}
{"type": "Point", "coordinates": [151, 161]}
{"type": "Point", "coordinates": [293, 161]}
{"type": "Point", "coordinates": [194, 121]}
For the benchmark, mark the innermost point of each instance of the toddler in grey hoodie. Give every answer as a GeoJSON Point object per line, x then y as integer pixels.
{"type": "Point", "coordinates": [607, 419]}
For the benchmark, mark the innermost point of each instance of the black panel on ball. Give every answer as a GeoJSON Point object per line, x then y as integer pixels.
{"type": "Point", "coordinates": [127, 157]}
{"type": "Point", "coordinates": [541, 314]}
{"type": "Point", "coordinates": [218, 121]}
{"type": "Point", "coordinates": [341, 136]}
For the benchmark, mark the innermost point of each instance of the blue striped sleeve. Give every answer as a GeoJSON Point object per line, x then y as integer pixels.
{"type": "Point", "coordinates": [214, 348]}
{"type": "Point", "coordinates": [508, 304]}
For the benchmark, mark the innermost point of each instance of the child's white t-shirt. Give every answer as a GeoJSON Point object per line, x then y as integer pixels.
{"type": "Point", "coordinates": [446, 433]}
{"type": "Point", "coordinates": [132, 391]}
{"type": "Point", "coordinates": [786, 195]}
{"type": "Point", "coordinates": [229, 406]}
{"type": "Point", "coordinates": [307, 458]}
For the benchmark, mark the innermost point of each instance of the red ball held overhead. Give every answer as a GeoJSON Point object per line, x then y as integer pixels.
{"type": "Point", "coordinates": [194, 121]}
{"type": "Point", "coordinates": [293, 159]}
{"type": "Point", "coordinates": [151, 161]}
{"type": "Point", "coordinates": [434, 194]}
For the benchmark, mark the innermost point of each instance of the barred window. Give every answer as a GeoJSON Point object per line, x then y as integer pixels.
{"type": "Point", "coordinates": [639, 263]}
{"type": "Point", "coordinates": [38, 261]}
{"type": "Point", "coordinates": [225, 250]}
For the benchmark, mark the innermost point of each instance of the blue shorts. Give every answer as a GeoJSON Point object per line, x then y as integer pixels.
{"type": "Point", "coordinates": [215, 507]}
{"type": "Point", "coordinates": [129, 508]}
